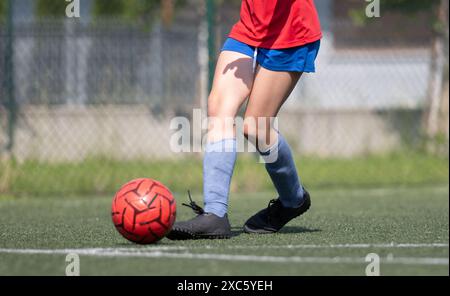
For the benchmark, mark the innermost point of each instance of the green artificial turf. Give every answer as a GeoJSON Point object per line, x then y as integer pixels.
{"type": "Point", "coordinates": [416, 215]}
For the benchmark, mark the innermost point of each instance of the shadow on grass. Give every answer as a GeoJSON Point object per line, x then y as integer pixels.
{"type": "Point", "coordinates": [236, 231]}
{"type": "Point", "coordinates": [296, 229]}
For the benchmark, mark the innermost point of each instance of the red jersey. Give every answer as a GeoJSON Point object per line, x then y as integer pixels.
{"type": "Point", "coordinates": [277, 24]}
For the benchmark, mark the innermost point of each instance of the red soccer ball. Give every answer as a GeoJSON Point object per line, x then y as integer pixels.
{"type": "Point", "coordinates": [143, 211]}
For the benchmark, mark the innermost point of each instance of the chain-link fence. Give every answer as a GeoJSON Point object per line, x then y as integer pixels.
{"type": "Point", "coordinates": [84, 101]}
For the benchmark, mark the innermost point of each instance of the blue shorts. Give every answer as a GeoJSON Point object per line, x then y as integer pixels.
{"type": "Point", "coordinates": [295, 59]}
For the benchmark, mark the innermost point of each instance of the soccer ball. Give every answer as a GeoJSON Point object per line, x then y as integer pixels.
{"type": "Point", "coordinates": [143, 211]}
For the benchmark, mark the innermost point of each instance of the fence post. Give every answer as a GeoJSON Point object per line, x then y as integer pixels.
{"type": "Point", "coordinates": [211, 20]}
{"type": "Point", "coordinates": [11, 105]}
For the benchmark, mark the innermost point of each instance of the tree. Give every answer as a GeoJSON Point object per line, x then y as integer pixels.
{"type": "Point", "coordinates": [50, 8]}
{"type": "Point", "coordinates": [2, 10]}
{"type": "Point", "coordinates": [167, 10]}
{"type": "Point", "coordinates": [436, 115]}
{"type": "Point", "coordinates": [142, 10]}
{"type": "Point", "coordinates": [108, 8]}
{"type": "Point", "coordinates": [130, 10]}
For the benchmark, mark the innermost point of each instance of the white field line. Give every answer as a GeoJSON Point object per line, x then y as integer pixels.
{"type": "Point", "coordinates": [229, 257]}
{"type": "Point", "coordinates": [244, 247]}
{"type": "Point", "coordinates": [337, 246]}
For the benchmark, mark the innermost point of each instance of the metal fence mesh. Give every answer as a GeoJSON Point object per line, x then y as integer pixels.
{"type": "Point", "coordinates": [107, 89]}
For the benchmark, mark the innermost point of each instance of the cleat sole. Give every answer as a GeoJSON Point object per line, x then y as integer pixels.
{"type": "Point", "coordinates": [181, 234]}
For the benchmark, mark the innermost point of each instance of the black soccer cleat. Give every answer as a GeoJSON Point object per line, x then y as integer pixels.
{"type": "Point", "coordinates": [204, 226]}
{"type": "Point", "coordinates": [275, 216]}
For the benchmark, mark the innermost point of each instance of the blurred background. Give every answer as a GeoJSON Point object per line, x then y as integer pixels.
{"type": "Point", "coordinates": [86, 103]}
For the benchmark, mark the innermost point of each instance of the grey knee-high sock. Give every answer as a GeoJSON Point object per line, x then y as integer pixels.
{"type": "Point", "coordinates": [218, 166]}
{"type": "Point", "coordinates": [281, 168]}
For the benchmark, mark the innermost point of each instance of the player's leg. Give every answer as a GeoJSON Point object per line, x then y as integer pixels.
{"type": "Point", "coordinates": [231, 87]}
{"type": "Point", "coordinates": [270, 91]}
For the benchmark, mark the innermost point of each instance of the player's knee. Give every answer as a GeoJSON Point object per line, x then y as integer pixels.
{"type": "Point", "coordinates": [249, 132]}
{"type": "Point", "coordinates": [250, 128]}
{"type": "Point", "coordinates": [257, 130]}
{"type": "Point", "coordinates": [213, 105]}
{"type": "Point", "coordinates": [220, 105]}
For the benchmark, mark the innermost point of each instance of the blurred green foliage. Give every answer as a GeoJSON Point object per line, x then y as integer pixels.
{"type": "Point", "coordinates": [2, 9]}
{"type": "Point", "coordinates": [128, 9]}
{"type": "Point", "coordinates": [50, 8]}
{"type": "Point", "coordinates": [143, 10]}
{"type": "Point", "coordinates": [410, 7]}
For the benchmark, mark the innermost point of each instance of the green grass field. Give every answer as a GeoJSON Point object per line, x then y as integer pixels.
{"type": "Point", "coordinates": [101, 176]}
{"type": "Point", "coordinates": [407, 227]}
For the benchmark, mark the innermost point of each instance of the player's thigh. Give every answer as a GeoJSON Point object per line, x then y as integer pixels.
{"type": "Point", "coordinates": [233, 81]}
{"type": "Point", "coordinates": [270, 90]}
